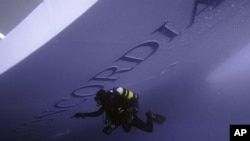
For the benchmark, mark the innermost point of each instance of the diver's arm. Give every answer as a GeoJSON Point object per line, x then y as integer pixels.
{"type": "Point", "coordinates": [91, 114]}
{"type": "Point", "coordinates": [95, 114]}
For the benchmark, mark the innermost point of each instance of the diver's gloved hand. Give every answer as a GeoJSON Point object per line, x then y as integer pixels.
{"type": "Point", "coordinates": [79, 115]}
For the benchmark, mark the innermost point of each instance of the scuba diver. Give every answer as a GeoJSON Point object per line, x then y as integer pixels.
{"type": "Point", "coordinates": [120, 106]}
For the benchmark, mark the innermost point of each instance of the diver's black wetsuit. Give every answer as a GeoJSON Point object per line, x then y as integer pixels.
{"type": "Point", "coordinates": [118, 112]}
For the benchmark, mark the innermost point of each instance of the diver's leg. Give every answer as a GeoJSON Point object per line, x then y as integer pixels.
{"type": "Point", "coordinates": [145, 126]}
